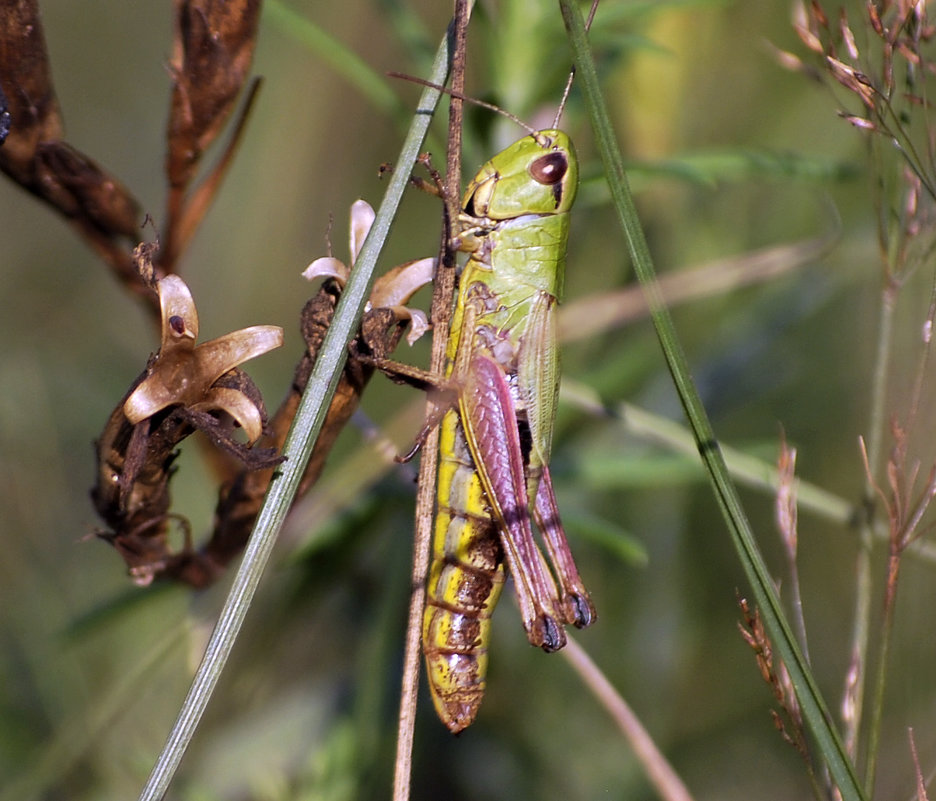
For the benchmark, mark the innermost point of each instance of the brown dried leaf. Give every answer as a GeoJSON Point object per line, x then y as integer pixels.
{"type": "Point", "coordinates": [212, 50]}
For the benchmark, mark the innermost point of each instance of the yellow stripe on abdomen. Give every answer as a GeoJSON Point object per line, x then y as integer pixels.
{"type": "Point", "coordinates": [465, 581]}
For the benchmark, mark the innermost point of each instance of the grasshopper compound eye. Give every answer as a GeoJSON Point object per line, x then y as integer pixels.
{"type": "Point", "coordinates": [550, 169]}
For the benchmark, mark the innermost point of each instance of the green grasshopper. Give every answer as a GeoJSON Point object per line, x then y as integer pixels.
{"type": "Point", "coordinates": [493, 476]}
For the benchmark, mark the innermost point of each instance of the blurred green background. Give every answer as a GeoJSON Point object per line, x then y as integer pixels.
{"type": "Point", "coordinates": [730, 153]}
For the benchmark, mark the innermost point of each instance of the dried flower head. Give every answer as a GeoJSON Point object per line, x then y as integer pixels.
{"type": "Point", "coordinates": [183, 373]}
{"type": "Point", "coordinates": [392, 289]}
{"type": "Point", "coordinates": [774, 673]}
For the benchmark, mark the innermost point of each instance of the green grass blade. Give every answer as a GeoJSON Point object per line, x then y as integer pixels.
{"type": "Point", "coordinates": [813, 706]}
{"type": "Point", "coordinates": [297, 448]}
{"type": "Point", "coordinates": [343, 60]}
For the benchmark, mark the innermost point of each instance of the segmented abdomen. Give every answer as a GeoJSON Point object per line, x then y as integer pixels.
{"type": "Point", "coordinates": [465, 581]}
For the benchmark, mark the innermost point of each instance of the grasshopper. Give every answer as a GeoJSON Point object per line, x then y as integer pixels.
{"type": "Point", "coordinates": [493, 476]}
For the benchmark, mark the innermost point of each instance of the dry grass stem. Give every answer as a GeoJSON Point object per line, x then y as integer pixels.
{"type": "Point", "coordinates": [442, 294]}
{"type": "Point", "coordinates": [880, 58]}
{"type": "Point", "coordinates": [920, 783]}
{"type": "Point", "coordinates": [786, 516]}
{"type": "Point", "coordinates": [666, 781]}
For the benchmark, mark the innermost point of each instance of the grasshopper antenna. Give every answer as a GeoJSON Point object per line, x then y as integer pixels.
{"type": "Point", "coordinates": [490, 106]}
{"type": "Point", "coordinates": [568, 87]}
{"type": "Point", "coordinates": [466, 98]}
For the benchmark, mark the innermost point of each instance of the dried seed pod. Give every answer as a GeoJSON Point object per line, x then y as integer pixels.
{"type": "Point", "coordinates": [80, 188]}
{"type": "Point", "coordinates": [27, 82]}
{"type": "Point", "coordinates": [34, 154]}
{"type": "Point", "coordinates": [185, 374]}
{"type": "Point", "coordinates": [5, 117]}
{"type": "Point", "coordinates": [212, 50]}
{"type": "Point", "coordinates": [135, 466]}
{"type": "Point", "coordinates": [185, 387]}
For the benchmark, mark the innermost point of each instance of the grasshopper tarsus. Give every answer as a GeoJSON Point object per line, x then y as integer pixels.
{"type": "Point", "coordinates": [438, 187]}
{"type": "Point", "coordinates": [403, 458]}
{"type": "Point", "coordinates": [438, 412]}
{"type": "Point", "coordinates": [425, 186]}
{"type": "Point", "coordinates": [550, 635]}
{"type": "Point", "coordinates": [431, 188]}
{"type": "Point", "coordinates": [580, 611]}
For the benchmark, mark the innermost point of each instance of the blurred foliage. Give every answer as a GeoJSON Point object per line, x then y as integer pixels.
{"type": "Point", "coordinates": [730, 153]}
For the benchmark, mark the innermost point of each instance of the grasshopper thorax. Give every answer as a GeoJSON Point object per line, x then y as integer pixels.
{"type": "Point", "coordinates": [535, 175]}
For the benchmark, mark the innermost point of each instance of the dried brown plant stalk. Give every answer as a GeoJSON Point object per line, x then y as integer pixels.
{"type": "Point", "coordinates": [185, 387]}
{"type": "Point", "coordinates": [36, 157]}
{"type": "Point", "coordinates": [920, 782]}
{"type": "Point", "coordinates": [786, 516]}
{"type": "Point", "coordinates": [880, 56]}
{"type": "Point", "coordinates": [212, 49]}
{"type": "Point", "coordinates": [213, 45]}
{"type": "Point", "coordinates": [888, 76]}
{"type": "Point", "coordinates": [905, 504]}
{"type": "Point", "coordinates": [136, 451]}
{"type": "Point", "coordinates": [239, 498]}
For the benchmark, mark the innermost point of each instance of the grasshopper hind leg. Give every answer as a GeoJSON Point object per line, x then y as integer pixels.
{"type": "Point", "coordinates": [489, 416]}
{"type": "Point", "coordinates": [576, 604]}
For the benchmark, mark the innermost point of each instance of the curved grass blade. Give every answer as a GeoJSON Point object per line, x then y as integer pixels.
{"type": "Point", "coordinates": [343, 60]}
{"type": "Point", "coordinates": [298, 447]}
{"type": "Point", "coordinates": [814, 708]}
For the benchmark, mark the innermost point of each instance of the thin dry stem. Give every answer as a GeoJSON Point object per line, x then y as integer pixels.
{"type": "Point", "coordinates": [661, 774]}
{"type": "Point", "coordinates": [185, 214]}
{"type": "Point", "coordinates": [905, 515]}
{"type": "Point", "coordinates": [443, 292]}
{"type": "Point", "coordinates": [921, 785]}
{"type": "Point", "coordinates": [882, 61]}
{"type": "Point", "coordinates": [787, 524]}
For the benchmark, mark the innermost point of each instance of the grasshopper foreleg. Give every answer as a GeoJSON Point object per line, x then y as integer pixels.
{"type": "Point", "coordinates": [434, 187]}
{"type": "Point", "coordinates": [443, 390]}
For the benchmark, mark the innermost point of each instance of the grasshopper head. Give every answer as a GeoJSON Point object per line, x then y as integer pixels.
{"type": "Point", "coordinates": [535, 175]}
